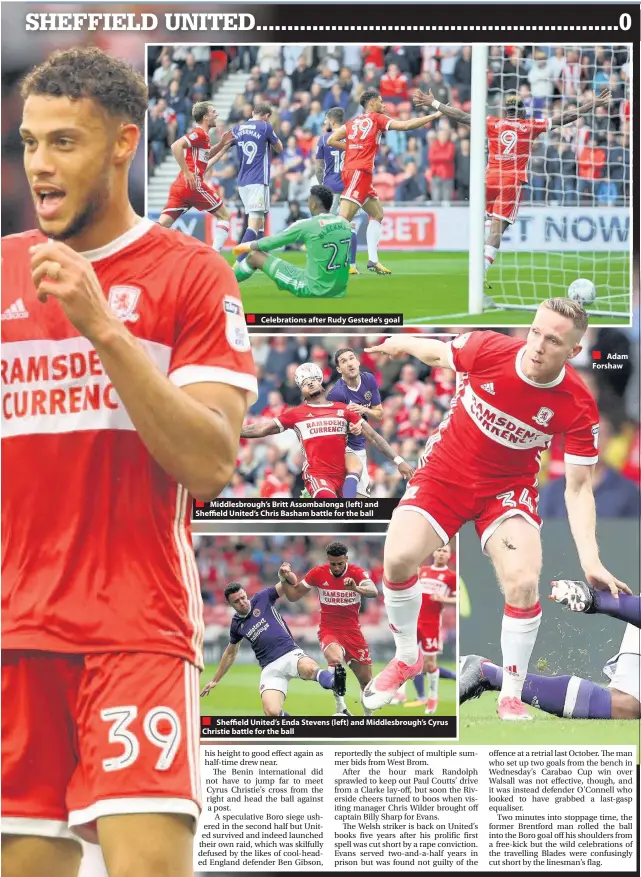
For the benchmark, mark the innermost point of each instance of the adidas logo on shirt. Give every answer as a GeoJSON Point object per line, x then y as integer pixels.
{"type": "Point", "coordinates": [489, 388]}
{"type": "Point", "coordinates": [16, 311]}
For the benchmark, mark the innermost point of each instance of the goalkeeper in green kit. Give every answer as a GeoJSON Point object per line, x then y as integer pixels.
{"type": "Point", "coordinates": [327, 240]}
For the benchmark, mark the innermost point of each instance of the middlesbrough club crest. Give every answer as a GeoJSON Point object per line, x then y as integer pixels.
{"type": "Point", "coordinates": [544, 416]}
{"type": "Point", "coordinates": [123, 301]}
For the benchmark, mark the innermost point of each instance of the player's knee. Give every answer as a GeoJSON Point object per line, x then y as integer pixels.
{"type": "Point", "coordinates": [24, 856]}
{"type": "Point", "coordinates": [624, 706]}
{"type": "Point", "coordinates": [271, 710]}
{"type": "Point", "coordinates": [400, 563]}
{"type": "Point", "coordinates": [154, 861]}
{"type": "Point", "coordinates": [520, 587]}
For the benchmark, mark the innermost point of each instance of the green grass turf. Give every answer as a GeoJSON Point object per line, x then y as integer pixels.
{"type": "Point", "coordinates": [237, 695]}
{"type": "Point", "coordinates": [479, 725]}
{"type": "Point", "coordinates": [427, 287]}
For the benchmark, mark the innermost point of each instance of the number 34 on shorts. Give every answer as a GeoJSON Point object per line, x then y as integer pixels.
{"type": "Point", "coordinates": [513, 499]}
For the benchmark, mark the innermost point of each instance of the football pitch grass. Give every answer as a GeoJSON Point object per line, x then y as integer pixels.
{"type": "Point", "coordinates": [237, 695]}
{"type": "Point", "coordinates": [431, 288]}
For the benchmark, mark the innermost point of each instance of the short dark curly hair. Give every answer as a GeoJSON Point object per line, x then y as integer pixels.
{"type": "Point", "coordinates": [368, 95]}
{"type": "Point", "coordinates": [336, 549]}
{"type": "Point", "coordinates": [90, 73]}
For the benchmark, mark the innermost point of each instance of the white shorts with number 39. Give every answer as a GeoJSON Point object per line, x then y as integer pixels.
{"type": "Point", "coordinates": [276, 676]}
{"type": "Point", "coordinates": [364, 481]}
{"type": "Point", "coordinates": [255, 198]}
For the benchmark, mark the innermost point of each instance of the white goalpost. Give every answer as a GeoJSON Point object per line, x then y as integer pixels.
{"type": "Point", "coordinates": [574, 218]}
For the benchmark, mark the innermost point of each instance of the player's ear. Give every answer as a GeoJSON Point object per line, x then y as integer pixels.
{"type": "Point", "coordinates": [575, 351]}
{"type": "Point", "coordinates": [125, 143]}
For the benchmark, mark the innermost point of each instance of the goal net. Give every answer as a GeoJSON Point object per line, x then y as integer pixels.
{"type": "Point", "coordinates": [573, 219]}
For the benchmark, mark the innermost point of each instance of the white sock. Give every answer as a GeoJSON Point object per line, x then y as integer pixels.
{"type": "Point", "coordinates": [402, 690]}
{"type": "Point", "coordinates": [403, 607]}
{"type": "Point", "coordinates": [245, 268]}
{"type": "Point", "coordinates": [340, 703]}
{"type": "Point", "coordinates": [518, 636]}
{"type": "Point", "coordinates": [221, 233]}
{"type": "Point", "coordinates": [432, 677]}
{"type": "Point", "coordinates": [489, 254]}
{"type": "Point", "coordinates": [374, 229]}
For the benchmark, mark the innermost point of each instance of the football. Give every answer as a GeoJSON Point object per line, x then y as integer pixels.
{"type": "Point", "coordinates": [583, 291]}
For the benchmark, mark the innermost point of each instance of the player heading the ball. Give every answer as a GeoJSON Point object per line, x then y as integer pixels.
{"type": "Point", "coordinates": [482, 466]}
{"type": "Point", "coordinates": [322, 428]}
{"type": "Point", "coordinates": [359, 138]}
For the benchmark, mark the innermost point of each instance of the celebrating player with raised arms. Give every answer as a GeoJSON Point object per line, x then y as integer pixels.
{"type": "Point", "coordinates": [126, 379]}
{"type": "Point", "coordinates": [329, 171]}
{"type": "Point", "coordinates": [340, 585]}
{"type": "Point", "coordinates": [257, 620]}
{"type": "Point", "coordinates": [194, 154]}
{"type": "Point", "coordinates": [327, 244]}
{"type": "Point", "coordinates": [255, 140]}
{"type": "Point", "coordinates": [360, 138]}
{"type": "Point", "coordinates": [358, 390]}
{"type": "Point", "coordinates": [510, 140]}
{"type": "Point", "coordinates": [322, 428]}
{"type": "Point", "coordinates": [482, 466]}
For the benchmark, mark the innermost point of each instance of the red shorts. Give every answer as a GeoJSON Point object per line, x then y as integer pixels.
{"type": "Point", "coordinates": [448, 505]}
{"type": "Point", "coordinates": [428, 635]}
{"type": "Point", "coordinates": [85, 736]}
{"type": "Point", "coordinates": [317, 483]}
{"type": "Point", "coordinates": [181, 198]}
{"type": "Point", "coordinates": [502, 198]}
{"type": "Point", "coordinates": [358, 187]}
{"type": "Point", "coordinates": [351, 641]}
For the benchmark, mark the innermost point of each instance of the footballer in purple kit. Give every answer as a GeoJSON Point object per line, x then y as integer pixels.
{"type": "Point", "coordinates": [358, 390]}
{"type": "Point", "coordinates": [329, 171]}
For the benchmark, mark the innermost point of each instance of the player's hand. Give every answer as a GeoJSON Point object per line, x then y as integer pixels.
{"type": "Point", "coordinates": [392, 347]}
{"type": "Point", "coordinates": [603, 99]}
{"type": "Point", "coordinates": [423, 99]}
{"type": "Point", "coordinates": [190, 179]}
{"type": "Point", "coordinates": [228, 137]}
{"type": "Point", "coordinates": [239, 249]}
{"type": "Point", "coordinates": [356, 428]}
{"type": "Point", "coordinates": [406, 470]}
{"type": "Point", "coordinates": [602, 580]}
{"type": "Point", "coordinates": [350, 584]}
{"type": "Point", "coordinates": [359, 409]}
{"type": "Point", "coordinates": [66, 275]}
{"type": "Point", "coordinates": [285, 574]}
{"type": "Point", "coordinates": [209, 687]}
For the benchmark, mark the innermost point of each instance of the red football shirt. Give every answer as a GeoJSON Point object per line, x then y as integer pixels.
{"type": "Point", "coordinates": [509, 148]}
{"type": "Point", "coordinates": [435, 580]}
{"type": "Point", "coordinates": [500, 422]}
{"type": "Point", "coordinates": [322, 430]}
{"type": "Point", "coordinates": [363, 136]}
{"type": "Point", "coordinates": [97, 552]}
{"type": "Point", "coordinates": [197, 146]}
{"type": "Point", "coordinates": [339, 606]}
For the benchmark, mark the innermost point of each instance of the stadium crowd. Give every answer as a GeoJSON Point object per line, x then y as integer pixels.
{"type": "Point", "coordinates": [587, 163]}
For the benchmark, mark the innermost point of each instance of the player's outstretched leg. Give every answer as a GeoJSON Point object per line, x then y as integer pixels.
{"type": "Point", "coordinates": [444, 673]}
{"type": "Point", "coordinates": [581, 597]}
{"type": "Point", "coordinates": [221, 230]}
{"type": "Point", "coordinates": [515, 550]}
{"type": "Point", "coordinates": [565, 696]}
{"type": "Point", "coordinates": [432, 676]}
{"type": "Point", "coordinates": [335, 656]}
{"type": "Point", "coordinates": [374, 210]}
{"type": "Point", "coordinates": [410, 539]}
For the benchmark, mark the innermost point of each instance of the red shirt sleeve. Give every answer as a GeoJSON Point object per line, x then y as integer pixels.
{"type": "Point", "coordinates": [468, 351]}
{"type": "Point", "coordinates": [311, 578]}
{"type": "Point", "coordinates": [211, 339]}
{"type": "Point", "coordinates": [538, 126]}
{"type": "Point", "coordinates": [287, 419]}
{"type": "Point", "coordinates": [382, 121]}
{"type": "Point", "coordinates": [582, 439]}
{"type": "Point", "coordinates": [352, 416]}
{"type": "Point", "coordinates": [359, 575]}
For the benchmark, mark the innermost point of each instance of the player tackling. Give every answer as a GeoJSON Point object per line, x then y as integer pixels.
{"type": "Point", "coordinates": [482, 466]}
{"type": "Point", "coordinates": [125, 381]}
{"type": "Point", "coordinates": [322, 428]}
{"type": "Point", "coordinates": [359, 138]}
{"type": "Point", "coordinates": [510, 140]}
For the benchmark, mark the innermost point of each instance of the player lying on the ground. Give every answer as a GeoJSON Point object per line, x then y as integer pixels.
{"type": "Point", "coordinates": [322, 428]}
{"type": "Point", "coordinates": [571, 697]}
{"type": "Point", "coordinates": [194, 155]}
{"type": "Point", "coordinates": [340, 586]}
{"type": "Point", "coordinates": [438, 589]}
{"type": "Point", "coordinates": [359, 138]}
{"type": "Point", "coordinates": [258, 621]}
{"type": "Point", "coordinates": [329, 170]}
{"type": "Point", "coordinates": [327, 243]}
{"type": "Point", "coordinates": [510, 141]}
{"type": "Point", "coordinates": [358, 390]}
{"type": "Point", "coordinates": [482, 466]}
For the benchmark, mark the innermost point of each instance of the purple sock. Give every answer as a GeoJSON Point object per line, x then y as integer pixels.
{"type": "Point", "coordinates": [325, 678]}
{"type": "Point", "coordinates": [249, 236]}
{"type": "Point", "coordinates": [419, 685]}
{"type": "Point", "coordinates": [354, 246]}
{"type": "Point", "coordinates": [283, 714]}
{"type": "Point", "coordinates": [350, 486]}
{"type": "Point", "coordinates": [626, 608]}
{"type": "Point", "coordinates": [261, 234]}
{"type": "Point", "coordinates": [444, 673]}
{"type": "Point", "coordinates": [564, 696]}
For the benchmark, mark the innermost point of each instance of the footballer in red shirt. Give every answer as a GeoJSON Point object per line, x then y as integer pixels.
{"type": "Point", "coordinates": [510, 140]}
{"type": "Point", "coordinates": [482, 465]}
{"type": "Point", "coordinates": [194, 156]}
{"type": "Point", "coordinates": [322, 428]}
{"type": "Point", "coordinates": [340, 586]}
{"type": "Point", "coordinates": [126, 375]}
{"type": "Point", "coordinates": [359, 138]}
